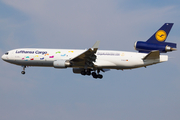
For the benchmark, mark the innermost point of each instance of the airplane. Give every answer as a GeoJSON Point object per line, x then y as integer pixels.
{"type": "Point", "coordinates": [93, 61]}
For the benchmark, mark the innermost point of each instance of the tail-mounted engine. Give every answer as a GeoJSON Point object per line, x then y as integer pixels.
{"type": "Point", "coordinates": [148, 47]}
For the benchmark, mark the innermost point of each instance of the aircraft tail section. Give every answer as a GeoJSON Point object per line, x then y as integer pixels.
{"type": "Point", "coordinates": [157, 41]}
{"type": "Point", "coordinates": [160, 35]}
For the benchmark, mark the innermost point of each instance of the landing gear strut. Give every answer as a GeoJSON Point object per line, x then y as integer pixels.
{"type": "Point", "coordinates": [23, 72]}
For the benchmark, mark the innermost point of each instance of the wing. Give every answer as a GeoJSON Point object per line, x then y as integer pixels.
{"type": "Point", "coordinates": [87, 58]}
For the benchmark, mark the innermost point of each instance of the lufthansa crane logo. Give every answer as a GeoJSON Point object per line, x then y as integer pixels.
{"type": "Point", "coordinates": [161, 35]}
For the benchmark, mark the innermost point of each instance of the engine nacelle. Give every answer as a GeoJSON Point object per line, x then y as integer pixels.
{"type": "Point", "coordinates": [147, 47]}
{"type": "Point", "coordinates": [77, 70]}
{"type": "Point", "coordinates": [61, 64]}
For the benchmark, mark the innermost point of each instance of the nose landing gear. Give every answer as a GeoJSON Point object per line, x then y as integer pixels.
{"type": "Point", "coordinates": [23, 72]}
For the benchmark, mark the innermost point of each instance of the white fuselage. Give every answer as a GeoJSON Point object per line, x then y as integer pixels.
{"type": "Point", "coordinates": [105, 58]}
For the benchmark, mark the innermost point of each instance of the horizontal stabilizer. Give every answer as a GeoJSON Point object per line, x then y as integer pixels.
{"type": "Point", "coordinates": [152, 55]}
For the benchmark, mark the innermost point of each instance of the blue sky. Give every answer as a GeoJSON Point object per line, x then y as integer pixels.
{"type": "Point", "coordinates": [48, 93]}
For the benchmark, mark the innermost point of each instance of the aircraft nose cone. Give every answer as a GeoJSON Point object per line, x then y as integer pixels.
{"type": "Point", "coordinates": [3, 57]}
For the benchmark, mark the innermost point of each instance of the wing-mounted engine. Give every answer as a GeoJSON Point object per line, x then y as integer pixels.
{"type": "Point", "coordinates": [148, 47]}
{"type": "Point", "coordinates": [61, 64]}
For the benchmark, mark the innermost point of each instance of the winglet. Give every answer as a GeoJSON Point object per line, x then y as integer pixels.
{"type": "Point", "coordinates": [96, 45]}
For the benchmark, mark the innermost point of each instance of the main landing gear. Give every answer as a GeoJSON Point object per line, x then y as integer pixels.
{"type": "Point", "coordinates": [23, 72]}
{"type": "Point", "coordinates": [94, 74]}
{"type": "Point", "coordinates": [97, 75]}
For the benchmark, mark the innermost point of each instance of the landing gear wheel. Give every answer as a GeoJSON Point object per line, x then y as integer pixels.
{"type": "Point", "coordinates": [83, 73]}
{"type": "Point", "coordinates": [100, 76]}
{"type": "Point", "coordinates": [88, 73]}
{"type": "Point", "coordinates": [94, 75]}
{"type": "Point", "coordinates": [23, 72]}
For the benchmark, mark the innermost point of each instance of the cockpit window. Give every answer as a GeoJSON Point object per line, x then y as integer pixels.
{"type": "Point", "coordinates": [6, 53]}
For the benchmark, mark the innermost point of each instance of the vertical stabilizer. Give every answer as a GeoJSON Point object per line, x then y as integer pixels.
{"type": "Point", "coordinates": [161, 35]}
